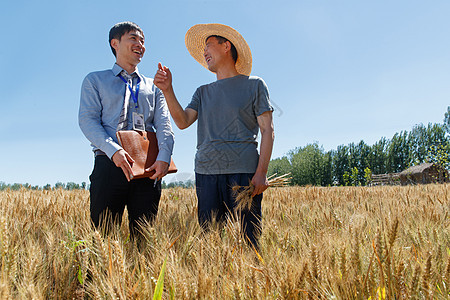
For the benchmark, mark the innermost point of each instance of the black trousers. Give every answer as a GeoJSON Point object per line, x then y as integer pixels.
{"type": "Point", "coordinates": [111, 192]}
{"type": "Point", "coordinates": [216, 198]}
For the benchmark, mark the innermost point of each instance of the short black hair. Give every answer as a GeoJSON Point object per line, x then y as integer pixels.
{"type": "Point", "coordinates": [222, 40]}
{"type": "Point", "coordinates": [118, 30]}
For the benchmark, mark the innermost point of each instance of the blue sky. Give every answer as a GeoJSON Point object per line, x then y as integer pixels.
{"type": "Point", "coordinates": [337, 71]}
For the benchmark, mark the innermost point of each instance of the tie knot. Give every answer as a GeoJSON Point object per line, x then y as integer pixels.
{"type": "Point", "coordinates": [125, 75]}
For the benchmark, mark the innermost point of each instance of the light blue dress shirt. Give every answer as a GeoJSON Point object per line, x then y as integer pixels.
{"type": "Point", "coordinates": [101, 102]}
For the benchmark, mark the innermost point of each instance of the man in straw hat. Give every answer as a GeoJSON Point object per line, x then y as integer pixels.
{"type": "Point", "coordinates": [229, 111]}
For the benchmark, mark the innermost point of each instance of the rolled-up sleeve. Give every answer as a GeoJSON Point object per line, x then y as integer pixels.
{"type": "Point", "coordinates": [261, 103]}
{"type": "Point", "coordinates": [195, 102]}
{"type": "Point", "coordinates": [164, 133]}
{"type": "Point", "coordinates": [89, 118]}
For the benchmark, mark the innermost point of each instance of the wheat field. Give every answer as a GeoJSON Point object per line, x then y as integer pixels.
{"type": "Point", "coordinates": [317, 242]}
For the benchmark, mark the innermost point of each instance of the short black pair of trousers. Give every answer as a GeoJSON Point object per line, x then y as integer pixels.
{"type": "Point", "coordinates": [111, 192]}
{"type": "Point", "coordinates": [216, 199]}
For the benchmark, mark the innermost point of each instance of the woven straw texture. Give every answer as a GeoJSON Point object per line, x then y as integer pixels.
{"type": "Point", "coordinates": [195, 43]}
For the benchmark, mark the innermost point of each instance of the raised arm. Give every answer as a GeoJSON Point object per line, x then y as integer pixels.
{"type": "Point", "coordinates": [259, 180]}
{"type": "Point", "coordinates": [183, 118]}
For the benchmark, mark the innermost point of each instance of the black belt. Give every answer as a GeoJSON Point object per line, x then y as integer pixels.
{"type": "Point", "coordinates": [99, 152]}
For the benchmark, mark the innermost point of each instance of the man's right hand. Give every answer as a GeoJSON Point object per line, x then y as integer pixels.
{"type": "Point", "coordinates": [163, 78]}
{"type": "Point", "coordinates": [122, 160]}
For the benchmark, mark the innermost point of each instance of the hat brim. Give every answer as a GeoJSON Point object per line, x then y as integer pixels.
{"type": "Point", "coordinates": [195, 43]}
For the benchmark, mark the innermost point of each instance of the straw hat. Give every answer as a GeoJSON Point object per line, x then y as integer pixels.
{"type": "Point", "coordinates": [195, 43]}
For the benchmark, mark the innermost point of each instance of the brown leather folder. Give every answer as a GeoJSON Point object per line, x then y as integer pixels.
{"type": "Point", "coordinates": [143, 148]}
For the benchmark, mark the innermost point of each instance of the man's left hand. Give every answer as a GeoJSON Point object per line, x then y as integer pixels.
{"type": "Point", "coordinates": [160, 167]}
{"type": "Point", "coordinates": [260, 183]}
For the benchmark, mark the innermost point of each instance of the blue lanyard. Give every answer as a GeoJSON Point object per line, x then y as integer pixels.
{"type": "Point", "coordinates": [133, 95]}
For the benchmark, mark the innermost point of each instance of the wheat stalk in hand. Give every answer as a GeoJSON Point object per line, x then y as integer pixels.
{"type": "Point", "coordinates": [243, 194]}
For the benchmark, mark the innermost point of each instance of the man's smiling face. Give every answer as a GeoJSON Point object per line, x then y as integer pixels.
{"type": "Point", "coordinates": [130, 48]}
{"type": "Point", "coordinates": [214, 53]}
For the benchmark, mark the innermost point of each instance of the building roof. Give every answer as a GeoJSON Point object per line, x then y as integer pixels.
{"type": "Point", "coordinates": [416, 169]}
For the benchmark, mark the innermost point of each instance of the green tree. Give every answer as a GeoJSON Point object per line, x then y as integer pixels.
{"type": "Point", "coordinates": [60, 185]}
{"type": "Point", "coordinates": [340, 164]}
{"type": "Point", "coordinates": [398, 153]}
{"type": "Point", "coordinates": [362, 159]}
{"type": "Point", "coordinates": [16, 186]}
{"type": "Point", "coordinates": [378, 156]}
{"type": "Point", "coordinates": [327, 169]}
{"type": "Point", "coordinates": [183, 184]}
{"type": "Point", "coordinates": [279, 166]}
{"type": "Point", "coordinates": [355, 177]}
{"type": "Point", "coordinates": [189, 183]}
{"type": "Point", "coordinates": [346, 178]}
{"type": "Point", "coordinates": [352, 156]}
{"type": "Point", "coordinates": [439, 154]}
{"type": "Point", "coordinates": [310, 165]}
{"type": "Point", "coordinates": [367, 176]}
{"type": "Point", "coordinates": [72, 186]}
{"type": "Point", "coordinates": [417, 142]}
{"type": "Point", "coordinates": [447, 120]}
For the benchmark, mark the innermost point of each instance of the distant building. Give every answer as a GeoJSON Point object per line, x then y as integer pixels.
{"type": "Point", "coordinates": [424, 173]}
{"type": "Point", "coordinates": [384, 179]}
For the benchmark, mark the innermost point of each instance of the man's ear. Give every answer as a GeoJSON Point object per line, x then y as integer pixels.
{"type": "Point", "coordinates": [228, 45]}
{"type": "Point", "coordinates": [115, 44]}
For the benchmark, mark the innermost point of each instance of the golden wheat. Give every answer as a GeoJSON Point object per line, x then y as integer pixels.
{"type": "Point", "coordinates": [316, 242]}
{"type": "Point", "coordinates": [243, 194]}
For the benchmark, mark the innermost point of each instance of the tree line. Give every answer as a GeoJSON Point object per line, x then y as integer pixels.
{"type": "Point", "coordinates": [59, 185]}
{"type": "Point", "coordinates": [182, 184]}
{"type": "Point", "coordinates": [353, 164]}
{"type": "Point", "coordinates": [83, 186]}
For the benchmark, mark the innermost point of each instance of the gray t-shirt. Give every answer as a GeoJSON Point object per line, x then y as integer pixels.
{"type": "Point", "coordinates": [227, 126]}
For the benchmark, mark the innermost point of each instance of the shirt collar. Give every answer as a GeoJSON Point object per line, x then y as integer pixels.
{"type": "Point", "coordinates": [116, 69]}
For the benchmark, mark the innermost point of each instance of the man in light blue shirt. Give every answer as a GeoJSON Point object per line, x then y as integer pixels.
{"type": "Point", "coordinates": [123, 99]}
